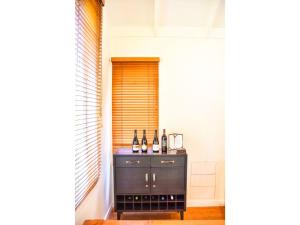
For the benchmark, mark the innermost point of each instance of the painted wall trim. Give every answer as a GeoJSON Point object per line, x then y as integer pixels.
{"type": "Point", "coordinates": [108, 212]}
{"type": "Point", "coordinates": [196, 203]}
{"type": "Point", "coordinates": [181, 32]}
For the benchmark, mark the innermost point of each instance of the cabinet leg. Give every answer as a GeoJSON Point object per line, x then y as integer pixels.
{"type": "Point", "coordinates": [118, 215]}
{"type": "Point", "coordinates": [181, 215]}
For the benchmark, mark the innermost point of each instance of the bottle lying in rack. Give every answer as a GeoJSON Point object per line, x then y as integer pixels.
{"type": "Point", "coordinates": [163, 198]}
{"type": "Point", "coordinates": [146, 198]}
{"type": "Point", "coordinates": [171, 197]}
{"type": "Point", "coordinates": [154, 197]}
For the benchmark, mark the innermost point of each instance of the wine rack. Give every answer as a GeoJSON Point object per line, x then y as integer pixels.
{"type": "Point", "coordinates": [150, 202]}
{"type": "Point", "coordinates": [149, 182]}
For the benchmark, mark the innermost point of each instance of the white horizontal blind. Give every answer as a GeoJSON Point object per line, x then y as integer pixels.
{"type": "Point", "coordinates": [88, 25]}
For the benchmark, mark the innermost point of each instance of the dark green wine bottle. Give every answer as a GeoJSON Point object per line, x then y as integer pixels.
{"type": "Point", "coordinates": [155, 146]}
{"type": "Point", "coordinates": [135, 143]}
{"type": "Point", "coordinates": [164, 145]}
{"type": "Point", "coordinates": [144, 142]}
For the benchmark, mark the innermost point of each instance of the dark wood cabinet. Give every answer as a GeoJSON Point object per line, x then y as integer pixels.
{"type": "Point", "coordinates": [149, 182]}
{"type": "Point", "coordinates": [132, 180]}
{"type": "Point", "coordinates": [168, 180]}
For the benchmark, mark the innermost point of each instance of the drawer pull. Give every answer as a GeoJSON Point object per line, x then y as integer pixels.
{"type": "Point", "coordinates": [167, 161]}
{"type": "Point", "coordinates": [133, 162]}
{"type": "Point", "coordinates": [146, 177]}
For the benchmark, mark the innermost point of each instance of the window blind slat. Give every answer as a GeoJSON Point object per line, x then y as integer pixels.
{"type": "Point", "coordinates": [90, 162]}
{"type": "Point", "coordinates": [87, 144]}
{"type": "Point", "coordinates": [81, 166]}
{"type": "Point", "coordinates": [82, 153]}
{"type": "Point", "coordinates": [88, 97]}
{"type": "Point", "coordinates": [88, 130]}
{"type": "Point", "coordinates": [134, 99]}
{"type": "Point", "coordinates": [88, 188]}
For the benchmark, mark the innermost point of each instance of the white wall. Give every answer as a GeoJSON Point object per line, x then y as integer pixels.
{"type": "Point", "coordinates": [191, 71]}
{"type": "Point", "coordinates": [99, 201]}
{"type": "Point", "coordinates": [191, 101]}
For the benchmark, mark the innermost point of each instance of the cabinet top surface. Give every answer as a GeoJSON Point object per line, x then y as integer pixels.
{"type": "Point", "coordinates": [128, 152]}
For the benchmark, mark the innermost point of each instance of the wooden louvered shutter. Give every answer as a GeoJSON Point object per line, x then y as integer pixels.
{"type": "Point", "coordinates": [88, 23]}
{"type": "Point", "coordinates": [134, 99]}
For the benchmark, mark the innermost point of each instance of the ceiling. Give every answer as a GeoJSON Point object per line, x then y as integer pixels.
{"type": "Point", "coordinates": [167, 13]}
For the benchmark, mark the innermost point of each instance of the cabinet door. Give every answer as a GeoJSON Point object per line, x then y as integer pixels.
{"type": "Point", "coordinates": [132, 180]}
{"type": "Point", "coordinates": [167, 180]}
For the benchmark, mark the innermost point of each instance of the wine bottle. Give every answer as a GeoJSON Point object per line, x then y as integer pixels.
{"type": "Point", "coordinates": [144, 142]}
{"type": "Point", "coordinates": [164, 146]}
{"type": "Point", "coordinates": [135, 143]}
{"type": "Point", "coordinates": [163, 198]}
{"type": "Point", "coordinates": [155, 146]}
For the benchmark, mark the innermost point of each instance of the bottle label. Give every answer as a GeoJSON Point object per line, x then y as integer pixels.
{"type": "Point", "coordinates": [164, 143]}
{"type": "Point", "coordinates": [155, 148]}
{"type": "Point", "coordinates": [144, 147]}
{"type": "Point", "coordinates": [135, 148]}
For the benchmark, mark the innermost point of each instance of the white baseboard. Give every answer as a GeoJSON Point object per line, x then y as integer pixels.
{"type": "Point", "coordinates": [196, 203]}
{"type": "Point", "coordinates": [108, 212]}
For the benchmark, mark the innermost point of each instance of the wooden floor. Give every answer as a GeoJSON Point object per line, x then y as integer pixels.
{"type": "Point", "coordinates": [193, 216]}
{"type": "Point", "coordinates": [155, 222]}
{"type": "Point", "coordinates": [193, 213]}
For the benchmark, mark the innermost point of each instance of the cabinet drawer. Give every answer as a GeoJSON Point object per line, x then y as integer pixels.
{"type": "Point", "coordinates": [132, 161]}
{"type": "Point", "coordinates": [167, 161]}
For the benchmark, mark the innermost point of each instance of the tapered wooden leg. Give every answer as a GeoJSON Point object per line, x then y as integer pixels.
{"type": "Point", "coordinates": [118, 215]}
{"type": "Point", "coordinates": [181, 215]}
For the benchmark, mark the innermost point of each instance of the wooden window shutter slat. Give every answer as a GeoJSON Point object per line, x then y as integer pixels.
{"type": "Point", "coordinates": [88, 97]}
{"type": "Point", "coordinates": [134, 99]}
